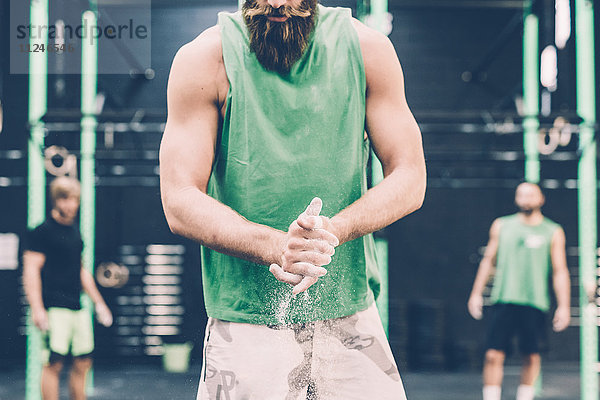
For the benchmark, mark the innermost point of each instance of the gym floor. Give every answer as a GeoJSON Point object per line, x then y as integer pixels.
{"type": "Point", "coordinates": [560, 382]}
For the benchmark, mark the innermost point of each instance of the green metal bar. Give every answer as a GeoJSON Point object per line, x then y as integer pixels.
{"type": "Point", "coordinates": [587, 193]}
{"type": "Point", "coordinates": [381, 246]}
{"type": "Point", "coordinates": [531, 104]}
{"type": "Point", "coordinates": [89, 79]}
{"type": "Point", "coordinates": [36, 184]}
{"type": "Point", "coordinates": [531, 77]}
{"type": "Point", "coordinates": [362, 9]}
{"type": "Point", "coordinates": [379, 10]}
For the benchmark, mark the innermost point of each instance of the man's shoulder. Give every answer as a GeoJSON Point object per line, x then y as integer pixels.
{"type": "Point", "coordinates": [377, 50]}
{"type": "Point", "coordinates": [42, 228]}
{"type": "Point", "coordinates": [504, 220]}
{"type": "Point", "coordinates": [508, 217]}
{"type": "Point", "coordinates": [369, 38]}
{"type": "Point", "coordinates": [365, 32]}
{"type": "Point", "coordinates": [551, 223]}
{"type": "Point", "coordinates": [204, 47]}
{"type": "Point", "coordinates": [198, 65]}
{"type": "Point", "coordinates": [35, 239]}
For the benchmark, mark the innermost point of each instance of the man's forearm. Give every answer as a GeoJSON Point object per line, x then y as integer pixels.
{"type": "Point", "coordinates": [195, 215]}
{"type": "Point", "coordinates": [89, 287]}
{"type": "Point", "coordinates": [94, 294]}
{"type": "Point", "coordinates": [399, 194]}
{"type": "Point", "coordinates": [32, 282]}
{"type": "Point", "coordinates": [483, 275]}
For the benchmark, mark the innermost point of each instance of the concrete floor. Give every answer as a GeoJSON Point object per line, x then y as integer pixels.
{"type": "Point", "coordinates": [561, 382]}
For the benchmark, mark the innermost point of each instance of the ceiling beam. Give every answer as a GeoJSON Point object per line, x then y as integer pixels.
{"type": "Point", "coordinates": [506, 4]}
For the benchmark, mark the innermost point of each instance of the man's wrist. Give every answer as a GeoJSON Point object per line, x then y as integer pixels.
{"type": "Point", "coordinates": [37, 308]}
{"type": "Point", "coordinates": [335, 227]}
{"type": "Point", "coordinates": [277, 248]}
{"type": "Point", "coordinates": [475, 294]}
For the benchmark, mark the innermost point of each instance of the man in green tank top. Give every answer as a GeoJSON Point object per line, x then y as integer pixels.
{"type": "Point", "coordinates": [271, 117]}
{"type": "Point", "coordinates": [525, 248]}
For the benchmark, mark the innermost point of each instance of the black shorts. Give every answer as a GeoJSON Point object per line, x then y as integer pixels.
{"type": "Point", "coordinates": [527, 323]}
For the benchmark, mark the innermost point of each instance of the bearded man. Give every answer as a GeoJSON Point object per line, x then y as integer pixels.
{"type": "Point", "coordinates": [273, 109]}
{"type": "Point", "coordinates": [525, 249]}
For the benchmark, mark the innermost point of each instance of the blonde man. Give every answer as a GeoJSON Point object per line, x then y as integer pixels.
{"type": "Point", "coordinates": [54, 278]}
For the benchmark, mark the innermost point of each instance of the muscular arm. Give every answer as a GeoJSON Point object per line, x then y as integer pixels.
{"type": "Point", "coordinates": [396, 140]}
{"type": "Point", "coordinates": [33, 262]}
{"type": "Point", "coordinates": [89, 286]}
{"type": "Point", "coordinates": [561, 280]}
{"type": "Point", "coordinates": [486, 267]}
{"type": "Point", "coordinates": [187, 153]}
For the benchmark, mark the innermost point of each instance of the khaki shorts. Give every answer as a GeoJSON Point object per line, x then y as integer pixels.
{"type": "Point", "coordinates": [345, 358]}
{"type": "Point", "coordinates": [67, 330]}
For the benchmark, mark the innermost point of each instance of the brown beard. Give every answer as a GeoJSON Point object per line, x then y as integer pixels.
{"type": "Point", "coordinates": [278, 45]}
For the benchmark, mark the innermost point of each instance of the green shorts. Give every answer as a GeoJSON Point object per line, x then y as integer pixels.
{"type": "Point", "coordinates": [69, 332]}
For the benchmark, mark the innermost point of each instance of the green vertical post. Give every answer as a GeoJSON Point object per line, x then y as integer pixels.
{"type": "Point", "coordinates": [89, 77]}
{"type": "Point", "coordinates": [379, 11]}
{"type": "Point", "coordinates": [36, 183]}
{"type": "Point", "coordinates": [240, 4]}
{"type": "Point", "coordinates": [377, 21]}
{"type": "Point", "coordinates": [362, 9]}
{"type": "Point", "coordinates": [381, 246]}
{"type": "Point", "coordinates": [586, 189]}
{"type": "Point", "coordinates": [531, 77]}
{"type": "Point", "coordinates": [531, 105]}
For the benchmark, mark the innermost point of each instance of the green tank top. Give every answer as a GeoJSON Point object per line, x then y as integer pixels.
{"type": "Point", "coordinates": [284, 140]}
{"type": "Point", "coordinates": [523, 263]}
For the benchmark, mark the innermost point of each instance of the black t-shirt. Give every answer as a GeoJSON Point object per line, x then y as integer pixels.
{"type": "Point", "coordinates": [62, 246]}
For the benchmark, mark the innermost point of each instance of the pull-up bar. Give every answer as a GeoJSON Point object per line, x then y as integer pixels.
{"type": "Point", "coordinates": [586, 108]}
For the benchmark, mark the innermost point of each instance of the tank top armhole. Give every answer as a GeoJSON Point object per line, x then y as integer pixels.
{"type": "Point", "coordinates": [355, 42]}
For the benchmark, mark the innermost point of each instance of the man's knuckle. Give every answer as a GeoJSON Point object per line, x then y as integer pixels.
{"type": "Point", "coordinates": [288, 254]}
{"type": "Point", "coordinates": [303, 269]}
{"type": "Point", "coordinates": [297, 242]}
{"type": "Point", "coordinates": [323, 235]}
{"type": "Point", "coordinates": [302, 222]}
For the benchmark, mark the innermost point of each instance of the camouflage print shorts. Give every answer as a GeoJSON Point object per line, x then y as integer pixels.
{"type": "Point", "coordinates": [345, 358]}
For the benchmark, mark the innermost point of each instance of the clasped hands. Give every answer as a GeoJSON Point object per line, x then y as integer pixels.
{"type": "Point", "coordinates": [308, 246]}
